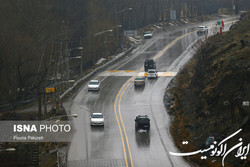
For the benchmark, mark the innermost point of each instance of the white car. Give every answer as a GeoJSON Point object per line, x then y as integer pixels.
{"type": "Point", "coordinates": [202, 30]}
{"type": "Point", "coordinates": [152, 73]}
{"type": "Point", "coordinates": [139, 81]}
{"type": "Point", "coordinates": [97, 119]}
{"type": "Point", "coordinates": [148, 34]}
{"type": "Point", "coordinates": [94, 85]}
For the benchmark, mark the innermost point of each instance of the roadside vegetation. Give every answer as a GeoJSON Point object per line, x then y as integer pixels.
{"type": "Point", "coordinates": [36, 35]}
{"type": "Point", "coordinates": [207, 96]}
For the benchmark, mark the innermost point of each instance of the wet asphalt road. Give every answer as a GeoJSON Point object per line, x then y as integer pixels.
{"type": "Point", "coordinates": [117, 143]}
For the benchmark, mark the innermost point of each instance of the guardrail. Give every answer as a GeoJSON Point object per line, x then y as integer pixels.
{"type": "Point", "coordinates": [96, 70]}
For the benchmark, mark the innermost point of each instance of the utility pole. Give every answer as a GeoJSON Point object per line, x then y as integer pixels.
{"type": "Point", "coordinates": [116, 23]}
{"type": "Point", "coordinates": [45, 104]}
{"type": "Point", "coordinates": [81, 43]}
{"type": "Point", "coordinates": [39, 105]}
{"type": "Point", "coordinates": [163, 10]}
{"type": "Point", "coordinates": [62, 69]}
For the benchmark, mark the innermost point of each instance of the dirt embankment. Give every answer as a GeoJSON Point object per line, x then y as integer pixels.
{"type": "Point", "coordinates": [208, 97]}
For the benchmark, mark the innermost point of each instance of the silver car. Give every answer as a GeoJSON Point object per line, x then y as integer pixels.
{"type": "Point", "coordinates": [97, 119]}
{"type": "Point", "coordinates": [94, 85]}
{"type": "Point", "coordinates": [202, 30]}
{"type": "Point", "coordinates": [139, 81]}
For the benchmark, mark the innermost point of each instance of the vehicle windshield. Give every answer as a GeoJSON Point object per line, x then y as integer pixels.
{"type": "Point", "coordinates": [143, 120]}
{"type": "Point", "coordinates": [94, 83]}
{"type": "Point", "coordinates": [201, 27]}
{"type": "Point", "coordinates": [148, 32]}
{"type": "Point", "coordinates": [139, 78]}
{"type": "Point", "coordinates": [149, 61]}
{"type": "Point", "coordinates": [151, 71]}
{"type": "Point", "coordinates": [97, 116]}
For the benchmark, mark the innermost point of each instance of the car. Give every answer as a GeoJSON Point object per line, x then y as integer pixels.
{"type": "Point", "coordinates": [139, 81]}
{"type": "Point", "coordinates": [202, 30]}
{"type": "Point", "coordinates": [142, 122]}
{"type": "Point", "coordinates": [149, 64]}
{"type": "Point", "coordinates": [148, 34]}
{"type": "Point", "coordinates": [97, 119]}
{"type": "Point", "coordinates": [152, 73]}
{"type": "Point", "coordinates": [94, 85]}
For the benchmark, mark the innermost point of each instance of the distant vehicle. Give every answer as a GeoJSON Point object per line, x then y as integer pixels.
{"type": "Point", "coordinates": [202, 30]}
{"type": "Point", "coordinates": [152, 73]}
{"type": "Point", "coordinates": [139, 81]}
{"type": "Point", "coordinates": [142, 122]}
{"type": "Point", "coordinates": [148, 34]}
{"type": "Point", "coordinates": [94, 85]}
{"type": "Point", "coordinates": [149, 64]}
{"type": "Point", "coordinates": [97, 119]}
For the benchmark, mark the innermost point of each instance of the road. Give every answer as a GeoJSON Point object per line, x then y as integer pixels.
{"type": "Point", "coordinates": [117, 143]}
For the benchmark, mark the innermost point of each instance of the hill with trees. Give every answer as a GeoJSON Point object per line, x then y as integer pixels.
{"type": "Point", "coordinates": [37, 37]}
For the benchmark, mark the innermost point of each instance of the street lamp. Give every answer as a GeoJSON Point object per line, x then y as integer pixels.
{"type": "Point", "coordinates": [79, 48]}
{"type": "Point", "coordinates": [119, 12]}
{"type": "Point", "coordinates": [102, 32]}
{"type": "Point", "coordinates": [67, 60]}
{"type": "Point", "coordinates": [118, 26]}
{"type": "Point", "coordinates": [116, 19]}
{"type": "Point", "coordinates": [164, 23]}
{"type": "Point", "coordinates": [123, 10]}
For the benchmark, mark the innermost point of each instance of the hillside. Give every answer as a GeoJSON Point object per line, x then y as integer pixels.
{"type": "Point", "coordinates": [208, 95]}
{"type": "Point", "coordinates": [37, 37]}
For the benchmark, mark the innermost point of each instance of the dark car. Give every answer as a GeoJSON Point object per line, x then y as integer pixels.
{"type": "Point", "coordinates": [142, 122]}
{"type": "Point", "coordinates": [149, 64]}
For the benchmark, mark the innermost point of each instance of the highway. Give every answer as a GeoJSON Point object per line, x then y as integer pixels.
{"type": "Point", "coordinates": [117, 143]}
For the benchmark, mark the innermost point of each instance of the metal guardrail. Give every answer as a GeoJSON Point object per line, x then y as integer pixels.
{"type": "Point", "coordinates": [96, 70]}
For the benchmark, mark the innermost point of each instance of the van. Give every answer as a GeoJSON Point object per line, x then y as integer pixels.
{"type": "Point", "coordinates": [149, 64]}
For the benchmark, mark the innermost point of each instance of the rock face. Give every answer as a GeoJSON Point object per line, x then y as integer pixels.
{"type": "Point", "coordinates": [208, 95]}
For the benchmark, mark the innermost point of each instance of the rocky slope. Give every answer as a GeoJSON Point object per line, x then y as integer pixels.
{"type": "Point", "coordinates": [208, 97]}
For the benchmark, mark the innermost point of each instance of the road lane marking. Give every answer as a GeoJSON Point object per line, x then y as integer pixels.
{"type": "Point", "coordinates": [117, 120]}
{"type": "Point", "coordinates": [170, 45]}
{"type": "Point", "coordinates": [122, 90]}
{"type": "Point", "coordinates": [130, 73]}
{"type": "Point", "coordinates": [167, 74]}
{"type": "Point", "coordinates": [124, 130]}
{"type": "Point", "coordinates": [113, 71]}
